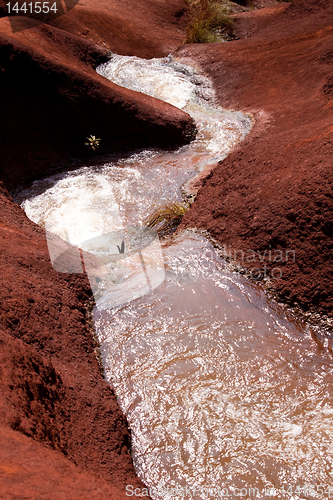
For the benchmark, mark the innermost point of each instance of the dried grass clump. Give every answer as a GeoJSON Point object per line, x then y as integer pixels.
{"type": "Point", "coordinates": [166, 218]}
{"type": "Point", "coordinates": [210, 21]}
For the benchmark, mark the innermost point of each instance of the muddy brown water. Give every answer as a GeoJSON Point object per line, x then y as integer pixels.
{"type": "Point", "coordinates": [226, 393]}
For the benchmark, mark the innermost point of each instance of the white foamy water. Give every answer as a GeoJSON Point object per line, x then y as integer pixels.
{"type": "Point", "coordinates": [186, 88]}
{"type": "Point", "coordinates": [220, 387]}
{"type": "Point", "coordinates": [164, 79]}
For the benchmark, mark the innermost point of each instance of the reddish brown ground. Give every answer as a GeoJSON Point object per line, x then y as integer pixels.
{"type": "Point", "coordinates": [62, 434]}
{"type": "Point", "coordinates": [55, 99]}
{"type": "Point", "coordinates": [51, 386]}
{"type": "Point", "coordinates": [274, 192]}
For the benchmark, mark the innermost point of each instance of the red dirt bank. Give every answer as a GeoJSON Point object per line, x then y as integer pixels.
{"type": "Point", "coordinates": [55, 99]}
{"type": "Point", "coordinates": [51, 386]}
{"type": "Point", "coordinates": [62, 434]}
{"type": "Point", "coordinates": [274, 192]}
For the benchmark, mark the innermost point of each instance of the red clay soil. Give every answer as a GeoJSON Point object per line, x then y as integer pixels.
{"type": "Point", "coordinates": [248, 23]}
{"type": "Point", "coordinates": [274, 192]}
{"type": "Point", "coordinates": [29, 470]}
{"type": "Point", "coordinates": [62, 434]}
{"type": "Point", "coordinates": [55, 99]}
{"type": "Point", "coordinates": [52, 389]}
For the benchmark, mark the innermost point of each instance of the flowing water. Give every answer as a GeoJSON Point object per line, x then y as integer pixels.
{"type": "Point", "coordinates": [225, 394]}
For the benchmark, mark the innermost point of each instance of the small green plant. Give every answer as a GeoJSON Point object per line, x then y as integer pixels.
{"type": "Point", "coordinates": [167, 217]}
{"type": "Point", "coordinates": [92, 142]}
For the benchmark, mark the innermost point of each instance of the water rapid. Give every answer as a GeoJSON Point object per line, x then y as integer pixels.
{"type": "Point", "coordinates": [226, 395]}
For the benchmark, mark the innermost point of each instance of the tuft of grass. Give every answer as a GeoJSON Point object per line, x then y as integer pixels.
{"type": "Point", "coordinates": [210, 21]}
{"type": "Point", "coordinates": [166, 218]}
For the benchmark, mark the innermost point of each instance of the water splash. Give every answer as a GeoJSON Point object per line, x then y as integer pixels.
{"type": "Point", "coordinates": [220, 388]}
{"type": "Point", "coordinates": [186, 88]}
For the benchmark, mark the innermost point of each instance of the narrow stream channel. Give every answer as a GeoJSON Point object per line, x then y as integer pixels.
{"type": "Point", "coordinates": [226, 396]}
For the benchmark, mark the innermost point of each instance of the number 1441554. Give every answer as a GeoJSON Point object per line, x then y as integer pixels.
{"type": "Point", "coordinates": [32, 8]}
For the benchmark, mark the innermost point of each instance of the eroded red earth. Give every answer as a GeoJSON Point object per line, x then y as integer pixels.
{"type": "Point", "coordinates": [61, 431]}
{"type": "Point", "coordinates": [274, 192]}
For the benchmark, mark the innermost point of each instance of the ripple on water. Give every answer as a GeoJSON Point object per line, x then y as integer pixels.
{"type": "Point", "coordinates": [219, 387]}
